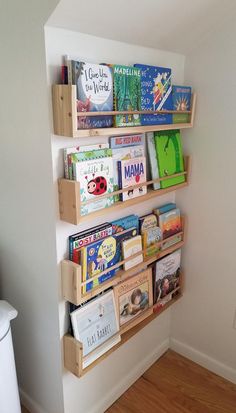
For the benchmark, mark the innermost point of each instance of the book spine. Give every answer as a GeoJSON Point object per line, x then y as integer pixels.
{"type": "Point", "coordinates": [119, 170]}
{"type": "Point", "coordinates": [153, 159]}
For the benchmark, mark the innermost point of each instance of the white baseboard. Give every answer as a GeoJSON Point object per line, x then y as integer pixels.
{"type": "Point", "coordinates": [204, 360]}
{"type": "Point", "coordinates": [29, 403]}
{"type": "Point", "coordinates": [127, 381]}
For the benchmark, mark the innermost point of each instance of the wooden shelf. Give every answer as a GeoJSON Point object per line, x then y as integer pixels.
{"type": "Point", "coordinates": [70, 203]}
{"type": "Point", "coordinates": [73, 349]}
{"type": "Point", "coordinates": [72, 275]}
{"type": "Point", "coordinates": [65, 117]}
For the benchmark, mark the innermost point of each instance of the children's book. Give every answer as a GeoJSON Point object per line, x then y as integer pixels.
{"type": "Point", "coordinates": [124, 153]}
{"type": "Point", "coordinates": [153, 161]}
{"type": "Point", "coordinates": [131, 247]}
{"type": "Point", "coordinates": [151, 237]}
{"type": "Point", "coordinates": [146, 222]}
{"type": "Point", "coordinates": [81, 239]}
{"type": "Point", "coordinates": [95, 324]}
{"type": "Point", "coordinates": [170, 223]}
{"type": "Point", "coordinates": [83, 148]}
{"type": "Point", "coordinates": [167, 275]}
{"type": "Point", "coordinates": [127, 94]}
{"type": "Point", "coordinates": [94, 92]}
{"type": "Point", "coordinates": [101, 255]}
{"type": "Point", "coordinates": [155, 93]}
{"type": "Point", "coordinates": [170, 156]}
{"type": "Point", "coordinates": [169, 242]}
{"type": "Point", "coordinates": [132, 172]}
{"type": "Point", "coordinates": [128, 140]}
{"type": "Point", "coordinates": [96, 178]}
{"type": "Point", "coordinates": [164, 208]}
{"type": "Point", "coordinates": [181, 101]}
{"type": "Point", "coordinates": [122, 224]}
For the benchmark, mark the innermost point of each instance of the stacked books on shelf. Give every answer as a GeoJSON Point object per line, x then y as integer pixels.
{"type": "Point", "coordinates": [116, 87]}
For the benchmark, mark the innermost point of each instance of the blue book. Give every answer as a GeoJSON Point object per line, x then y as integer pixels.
{"type": "Point", "coordinates": [181, 101]}
{"type": "Point", "coordinates": [155, 93]}
{"type": "Point", "coordinates": [164, 208]}
{"type": "Point", "coordinates": [120, 225]}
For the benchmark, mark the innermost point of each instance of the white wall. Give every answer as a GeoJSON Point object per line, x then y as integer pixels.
{"type": "Point", "coordinates": [28, 272]}
{"type": "Point", "coordinates": [102, 385]}
{"type": "Point", "coordinates": [202, 323]}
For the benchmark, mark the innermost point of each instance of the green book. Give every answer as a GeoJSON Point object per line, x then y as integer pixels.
{"type": "Point", "coordinates": [170, 156]}
{"type": "Point", "coordinates": [127, 94]}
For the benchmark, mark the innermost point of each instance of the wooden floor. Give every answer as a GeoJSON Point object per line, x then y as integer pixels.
{"type": "Point", "coordinates": [177, 385]}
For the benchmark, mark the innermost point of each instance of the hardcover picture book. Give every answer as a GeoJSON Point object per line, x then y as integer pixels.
{"type": "Point", "coordinates": [95, 176]}
{"type": "Point", "coordinates": [147, 221]}
{"type": "Point", "coordinates": [132, 172]}
{"type": "Point", "coordinates": [131, 247]}
{"type": "Point", "coordinates": [95, 324]}
{"type": "Point", "coordinates": [170, 156]}
{"type": "Point", "coordinates": [121, 224]}
{"type": "Point", "coordinates": [164, 208]}
{"type": "Point", "coordinates": [129, 140]}
{"type": "Point", "coordinates": [151, 237]}
{"type": "Point", "coordinates": [133, 298]}
{"type": "Point", "coordinates": [181, 101]}
{"type": "Point", "coordinates": [167, 275]}
{"type": "Point", "coordinates": [127, 94]}
{"type": "Point", "coordinates": [155, 93]}
{"type": "Point", "coordinates": [170, 223]}
{"type": "Point", "coordinates": [94, 89]}
{"type": "Point", "coordinates": [153, 161]}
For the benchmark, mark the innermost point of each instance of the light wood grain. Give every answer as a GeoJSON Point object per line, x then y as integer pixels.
{"type": "Point", "coordinates": [175, 384]}
{"type": "Point", "coordinates": [24, 410]}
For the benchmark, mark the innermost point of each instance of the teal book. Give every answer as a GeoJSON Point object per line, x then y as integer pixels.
{"type": "Point", "coordinates": [170, 156]}
{"type": "Point", "coordinates": [127, 94]}
{"type": "Point", "coordinates": [181, 101]}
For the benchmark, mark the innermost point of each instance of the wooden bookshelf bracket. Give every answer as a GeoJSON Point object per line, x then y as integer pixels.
{"type": "Point", "coordinates": [65, 116]}
{"type": "Point", "coordinates": [70, 203]}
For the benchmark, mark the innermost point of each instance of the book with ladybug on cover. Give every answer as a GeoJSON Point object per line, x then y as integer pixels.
{"type": "Point", "coordinates": [95, 175]}
{"type": "Point", "coordinates": [132, 172]}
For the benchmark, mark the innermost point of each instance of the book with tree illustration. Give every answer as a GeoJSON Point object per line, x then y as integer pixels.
{"type": "Point", "coordinates": [181, 101]}
{"type": "Point", "coordinates": [127, 94]}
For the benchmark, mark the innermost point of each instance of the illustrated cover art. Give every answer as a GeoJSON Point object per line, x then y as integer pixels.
{"type": "Point", "coordinates": [147, 221]}
{"type": "Point", "coordinates": [131, 247]}
{"type": "Point", "coordinates": [132, 172]}
{"type": "Point", "coordinates": [127, 94]}
{"type": "Point", "coordinates": [128, 140]}
{"type": "Point", "coordinates": [169, 242]}
{"type": "Point", "coordinates": [151, 237]}
{"type": "Point", "coordinates": [94, 89]}
{"type": "Point", "coordinates": [170, 156]}
{"type": "Point", "coordinates": [153, 161]}
{"type": "Point", "coordinates": [101, 255]}
{"type": "Point", "coordinates": [95, 324]}
{"type": "Point", "coordinates": [133, 296]}
{"type": "Point", "coordinates": [181, 101]}
{"type": "Point", "coordinates": [167, 275]}
{"type": "Point", "coordinates": [155, 93]}
{"type": "Point", "coordinates": [96, 178]}
{"type": "Point", "coordinates": [81, 239]}
{"type": "Point", "coordinates": [170, 223]}
{"type": "Point", "coordinates": [121, 224]}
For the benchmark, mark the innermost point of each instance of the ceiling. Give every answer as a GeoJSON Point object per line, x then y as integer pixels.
{"type": "Point", "coordinates": [174, 25]}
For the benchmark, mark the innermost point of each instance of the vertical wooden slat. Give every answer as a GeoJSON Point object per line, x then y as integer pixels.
{"type": "Point", "coordinates": [71, 281]}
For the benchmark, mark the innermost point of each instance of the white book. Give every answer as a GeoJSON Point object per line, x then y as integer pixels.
{"type": "Point", "coordinates": [153, 159]}
{"type": "Point", "coordinates": [131, 247]}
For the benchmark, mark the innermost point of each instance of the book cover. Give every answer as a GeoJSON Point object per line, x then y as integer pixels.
{"type": "Point", "coordinates": [102, 255]}
{"type": "Point", "coordinates": [181, 101]}
{"type": "Point", "coordinates": [130, 173]}
{"type": "Point", "coordinates": [131, 247]}
{"type": "Point", "coordinates": [81, 239]}
{"type": "Point", "coordinates": [83, 148]}
{"type": "Point", "coordinates": [153, 161]}
{"type": "Point", "coordinates": [94, 89]}
{"type": "Point", "coordinates": [170, 223]}
{"type": "Point", "coordinates": [133, 297]}
{"type": "Point", "coordinates": [128, 140]}
{"type": "Point", "coordinates": [164, 208]}
{"type": "Point", "coordinates": [167, 275]}
{"type": "Point", "coordinates": [96, 178]}
{"type": "Point", "coordinates": [122, 224]}
{"type": "Point", "coordinates": [155, 93]}
{"type": "Point", "coordinates": [95, 324]}
{"type": "Point", "coordinates": [169, 242]}
{"type": "Point", "coordinates": [147, 221]}
{"type": "Point", "coordinates": [124, 153]}
{"type": "Point", "coordinates": [127, 94]}
{"type": "Point", "coordinates": [170, 156]}
{"type": "Point", "coordinates": [151, 237]}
